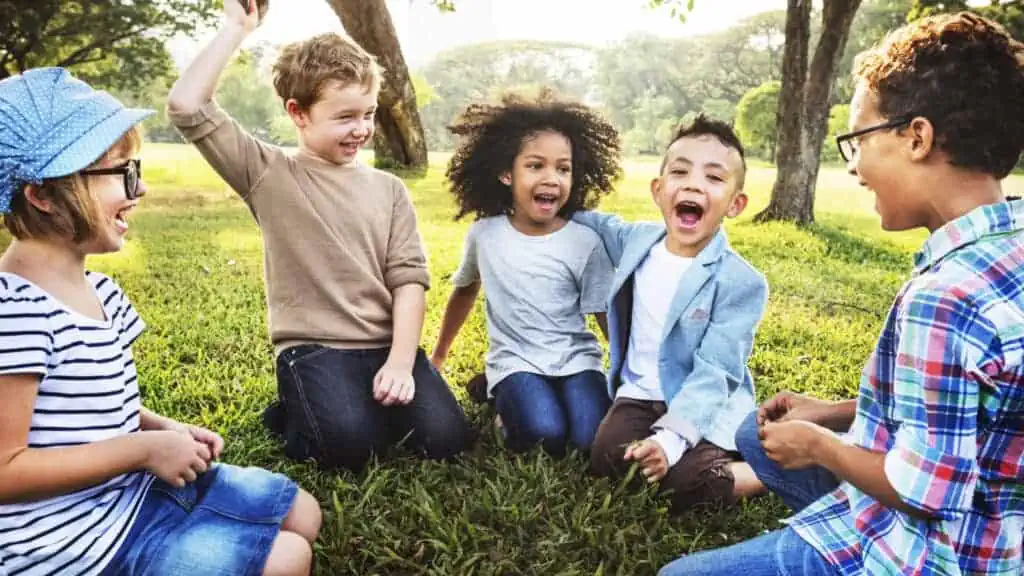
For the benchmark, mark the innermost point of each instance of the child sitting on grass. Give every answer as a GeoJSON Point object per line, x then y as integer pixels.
{"type": "Point", "coordinates": [524, 167]}
{"type": "Point", "coordinates": [930, 477]}
{"type": "Point", "coordinates": [345, 267]}
{"type": "Point", "coordinates": [91, 481]}
{"type": "Point", "coordinates": [683, 311]}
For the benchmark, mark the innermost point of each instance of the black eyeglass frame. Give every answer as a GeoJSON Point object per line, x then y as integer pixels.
{"type": "Point", "coordinates": [842, 138]}
{"type": "Point", "coordinates": [129, 170]}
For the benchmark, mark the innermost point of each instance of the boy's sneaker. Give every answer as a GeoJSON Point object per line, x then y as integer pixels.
{"type": "Point", "coordinates": [274, 418]}
{"type": "Point", "coordinates": [477, 389]}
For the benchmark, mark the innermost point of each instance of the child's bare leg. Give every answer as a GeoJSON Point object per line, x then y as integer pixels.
{"type": "Point", "coordinates": [291, 555]}
{"type": "Point", "coordinates": [746, 483]}
{"type": "Point", "coordinates": [304, 518]}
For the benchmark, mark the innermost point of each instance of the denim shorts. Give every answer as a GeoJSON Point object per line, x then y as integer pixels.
{"type": "Point", "coordinates": [224, 523]}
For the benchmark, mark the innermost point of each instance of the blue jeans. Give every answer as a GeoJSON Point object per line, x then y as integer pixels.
{"type": "Point", "coordinates": [326, 410]}
{"type": "Point", "coordinates": [797, 488]}
{"type": "Point", "coordinates": [223, 523]}
{"type": "Point", "coordinates": [551, 411]}
{"type": "Point", "coordinates": [778, 553]}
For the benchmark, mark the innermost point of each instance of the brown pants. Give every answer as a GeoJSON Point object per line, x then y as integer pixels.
{"type": "Point", "coordinates": [702, 476]}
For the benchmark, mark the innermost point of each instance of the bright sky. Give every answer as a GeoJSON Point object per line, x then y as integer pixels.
{"type": "Point", "coordinates": [424, 31]}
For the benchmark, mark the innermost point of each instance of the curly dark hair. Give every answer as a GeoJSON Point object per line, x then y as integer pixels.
{"type": "Point", "coordinates": [963, 73]}
{"type": "Point", "coordinates": [493, 134]}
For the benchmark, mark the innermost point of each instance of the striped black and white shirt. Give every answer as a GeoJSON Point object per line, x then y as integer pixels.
{"type": "Point", "coordinates": [88, 392]}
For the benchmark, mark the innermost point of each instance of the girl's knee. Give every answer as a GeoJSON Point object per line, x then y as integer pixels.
{"type": "Point", "coordinates": [305, 517]}
{"type": "Point", "coordinates": [290, 555]}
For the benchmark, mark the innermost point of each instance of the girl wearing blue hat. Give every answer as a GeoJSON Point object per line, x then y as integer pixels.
{"type": "Point", "coordinates": [91, 482]}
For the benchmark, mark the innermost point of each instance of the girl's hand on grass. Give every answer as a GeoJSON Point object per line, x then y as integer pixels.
{"type": "Point", "coordinates": [437, 361]}
{"type": "Point", "coordinates": [174, 456]}
{"type": "Point", "coordinates": [651, 457]}
{"type": "Point", "coordinates": [393, 386]}
{"type": "Point", "coordinates": [792, 445]}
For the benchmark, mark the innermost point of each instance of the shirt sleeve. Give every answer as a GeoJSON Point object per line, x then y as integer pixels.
{"type": "Point", "coordinates": [26, 333]}
{"type": "Point", "coordinates": [596, 281]}
{"type": "Point", "coordinates": [131, 324]}
{"type": "Point", "coordinates": [406, 259]}
{"type": "Point", "coordinates": [673, 444]}
{"type": "Point", "coordinates": [932, 463]}
{"type": "Point", "coordinates": [469, 269]}
{"type": "Point", "coordinates": [237, 156]}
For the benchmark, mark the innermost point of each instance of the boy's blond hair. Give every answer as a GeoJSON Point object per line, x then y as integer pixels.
{"type": "Point", "coordinates": [303, 69]}
{"type": "Point", "coordinates": [74, 213]}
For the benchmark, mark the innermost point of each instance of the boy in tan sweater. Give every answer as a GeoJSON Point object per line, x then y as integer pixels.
{"type": "Point", "coordinates": [345, 266]}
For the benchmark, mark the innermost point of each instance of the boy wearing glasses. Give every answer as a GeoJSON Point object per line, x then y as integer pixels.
{"type": "Point", "coordinates": [928, 479]}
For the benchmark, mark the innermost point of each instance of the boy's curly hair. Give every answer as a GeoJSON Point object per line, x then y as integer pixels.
{"type": "Point", "coordinates": [493, 134]}
{"type": "Point", "coordinates": [963, 73]}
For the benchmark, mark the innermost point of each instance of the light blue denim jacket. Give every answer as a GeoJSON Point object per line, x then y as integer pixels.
{"type": "Point", "coordinates": [708, 333]}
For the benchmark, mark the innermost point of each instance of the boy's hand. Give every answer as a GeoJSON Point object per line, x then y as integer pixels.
{"type": "Point", "coordinates": [788, 406]}
{"type": "Point", "coordinates": [174, 456]}
{"type": "Point", "coordinates": [393, 386]}
{"type": "Point", "coordinates": [652, 459]}
{"type": "Point", "coordinates": [243, 13]}
{"type": "Point", "coordinates": [792, 444]}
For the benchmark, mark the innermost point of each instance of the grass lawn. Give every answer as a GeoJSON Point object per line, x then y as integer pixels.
{"type": "Point", "coordinates": [193, 268]}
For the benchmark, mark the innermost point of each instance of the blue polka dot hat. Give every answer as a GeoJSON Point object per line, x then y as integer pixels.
{"type": "Point", "coordinates": [53, 125]}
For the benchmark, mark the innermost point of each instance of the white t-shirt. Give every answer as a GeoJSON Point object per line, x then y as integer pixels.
{"type": "Point", "coordinates": [88, 392]}
{"type": "Point", "coordinates": [654, 287]}
{"type": "Point", "coordinates": [538, 289]}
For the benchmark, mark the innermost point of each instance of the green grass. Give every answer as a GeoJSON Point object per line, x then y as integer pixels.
{"type": "Point", "coordinates": [193, 267]}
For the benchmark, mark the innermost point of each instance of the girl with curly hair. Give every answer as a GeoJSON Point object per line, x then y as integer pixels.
{"type": "Point", "coordinates": [523, 168]}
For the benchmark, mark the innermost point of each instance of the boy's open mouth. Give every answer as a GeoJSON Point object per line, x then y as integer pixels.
{"type": "Point", "coordinates": [689, 213]}
{"type": "Point", "coordinates": [546, 201]}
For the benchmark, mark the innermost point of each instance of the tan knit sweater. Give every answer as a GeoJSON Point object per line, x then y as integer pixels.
{"type": "Point", "coordinates": [337, 240]}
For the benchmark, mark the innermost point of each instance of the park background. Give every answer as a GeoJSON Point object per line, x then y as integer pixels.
{"type": "Point", "coordinates": [193, 263]}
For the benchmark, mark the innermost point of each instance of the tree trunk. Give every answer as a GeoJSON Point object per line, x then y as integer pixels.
{"type": "Point", "coordinates": [804, 106]}
{"type": "Point", "coordinates": [399, 141]}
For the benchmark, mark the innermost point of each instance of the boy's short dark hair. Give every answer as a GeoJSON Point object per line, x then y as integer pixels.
{"type": "Point", "coordinates": [702, 125]}
{"type": "Point", "coordinates": [963, 73]}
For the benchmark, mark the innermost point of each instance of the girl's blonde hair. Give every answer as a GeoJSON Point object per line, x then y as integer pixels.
{"type": "Point", "coordinates": [74, 214]}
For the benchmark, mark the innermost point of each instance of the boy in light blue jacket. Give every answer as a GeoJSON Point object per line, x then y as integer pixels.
{"type": "Point", "coordinates": [682, 315]}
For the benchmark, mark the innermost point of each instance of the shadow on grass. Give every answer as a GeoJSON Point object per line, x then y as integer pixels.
{"type": "Point", "coordinates": [851, 248]}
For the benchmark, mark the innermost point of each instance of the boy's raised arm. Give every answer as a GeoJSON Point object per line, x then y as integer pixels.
{"type": "Point", "coordinates": [197, 84]}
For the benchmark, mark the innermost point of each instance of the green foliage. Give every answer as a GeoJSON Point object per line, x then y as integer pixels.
{"type": "Point", "coordinates": [98, 39]}
{"type": "Point", "coordinates": [193, 268]}
{"type": "Point", "coordinates": [756, 119]}
{"type": "Point", "coordinates": [246, 93]}
{"type": "Point", "coordinates": [653, 124]}
{"type": "Point", "coordinates": [1009, 14]}
{"type": "Point", "coordinates": [719, 109]}
{"type": "Point", "coordinates": [457, 77]}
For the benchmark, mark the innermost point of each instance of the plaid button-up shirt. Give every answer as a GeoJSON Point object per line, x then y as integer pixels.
{"type": "Point", "coordinates": [943, 397]}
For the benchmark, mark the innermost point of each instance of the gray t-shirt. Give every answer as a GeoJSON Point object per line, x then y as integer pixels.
{"type": "Point", "coordinates": [538, 289]}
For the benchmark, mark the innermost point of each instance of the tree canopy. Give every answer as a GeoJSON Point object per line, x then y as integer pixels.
{"type": "Point", "coordinates": [98, 39]}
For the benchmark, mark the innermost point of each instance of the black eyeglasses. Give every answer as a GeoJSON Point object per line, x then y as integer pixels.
{"type": "Point", "coordinates": [848, 145]}
{"type": "Point", "coordinates": [130, 170]}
